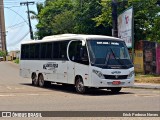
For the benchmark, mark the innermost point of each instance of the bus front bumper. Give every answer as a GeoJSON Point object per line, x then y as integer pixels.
{"type": "Point", "coordinates": [113, 83]}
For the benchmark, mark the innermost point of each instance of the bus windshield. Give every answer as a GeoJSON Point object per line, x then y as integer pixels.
{"type": "Point", "coordinates": [109, 53]}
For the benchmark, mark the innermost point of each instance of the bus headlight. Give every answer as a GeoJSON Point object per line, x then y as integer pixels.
{"type": "Point", "coordinates": [131, 74]}
{"type": "Point", "coordinates": [98, 73]}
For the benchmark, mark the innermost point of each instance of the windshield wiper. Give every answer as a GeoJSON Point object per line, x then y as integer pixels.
{"type": "Point", "coordinates": [121, 62]}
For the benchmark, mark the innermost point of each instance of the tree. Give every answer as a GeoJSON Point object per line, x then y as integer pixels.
{"type": "Point", "coordinates": [154, 34]}
{"type": "Point", "coordinates": [64, 22]}
{"type": "Point", "coordinates": [70, 16]}
{"type": "Point", "coordinates": [84, 18]}
{"type": "Point", "coordinates": [146, 17]}
{"type": "Point", "coordinates": [95, 17]}
{"type": "Point", "coordinates": [3, 53]}
{"type": "Point", "coordinates": [47, 16]}
{"type": "Point", "coordinates": [39, 8]}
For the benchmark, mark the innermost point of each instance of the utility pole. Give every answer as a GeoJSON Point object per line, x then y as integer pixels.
{"type": "Point", "coordinates": [2, 28]}
{"type": "Point", "coordinates": [114, 18]}
{"type": "Point", "coordinates": [30, 27]}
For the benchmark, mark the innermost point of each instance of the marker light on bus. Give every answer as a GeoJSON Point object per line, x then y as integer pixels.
{"type": "Point", "coordinates": [98, 73]}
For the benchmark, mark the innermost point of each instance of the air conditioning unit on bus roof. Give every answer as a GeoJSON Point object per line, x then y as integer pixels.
{"type": "Point", "coordinates": [58, 36]}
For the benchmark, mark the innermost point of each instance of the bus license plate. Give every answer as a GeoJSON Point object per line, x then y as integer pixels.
{"type": "Point", "coordinates": [116, 82]}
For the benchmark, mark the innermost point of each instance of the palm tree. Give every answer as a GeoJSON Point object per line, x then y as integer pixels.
{"type": "Point", "coordinates": [39, 8]}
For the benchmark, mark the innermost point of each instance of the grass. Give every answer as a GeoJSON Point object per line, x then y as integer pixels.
{"type": "Point", "coordinates": [16, 61]}
{"type": "Point", "coordinates": [139, 78]}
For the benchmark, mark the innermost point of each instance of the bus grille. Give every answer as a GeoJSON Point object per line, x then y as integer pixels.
{"type": "Point", "coordinates": [116, 77]}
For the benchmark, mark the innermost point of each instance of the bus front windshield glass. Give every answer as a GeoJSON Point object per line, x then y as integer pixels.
{"type": "Point", "coordinates": [109, 53]}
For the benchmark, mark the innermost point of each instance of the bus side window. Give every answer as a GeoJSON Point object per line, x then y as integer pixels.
{"type": "Point", "coordinates": [27, 49]}
{"type": "Point", "coordinates": [37, 51]}
{"type": "Point", "coordinates": [78, 53]}
{"type": "Point", "coordinates": [32, 51]}
{"type": "Point", "coordinates": [23, 52]}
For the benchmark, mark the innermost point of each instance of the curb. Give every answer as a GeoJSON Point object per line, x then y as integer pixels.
{"type": "Point", "coordinates": [146, 86]}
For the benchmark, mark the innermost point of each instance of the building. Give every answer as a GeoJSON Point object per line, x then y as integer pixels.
{"type": "Point", "coordinates": [2, 28]}
{"type": "Point", "coordinates": [14, 54]}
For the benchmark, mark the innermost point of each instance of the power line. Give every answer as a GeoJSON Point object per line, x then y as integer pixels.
{"type": "Point", "coordinates": [16, 34]}
{"type": "Point", "coordinates": [16, 13]}
{"type": "Point", "coordinates": [15, 24]}
{"type": "Point", "coordinates": [9, 4]}
{"type": "Point", "coordinates": [19, 40]}
{"type": "Point", "coordinates": [12, 23]}
{"type": "Point", "coordinates": [11, 26]}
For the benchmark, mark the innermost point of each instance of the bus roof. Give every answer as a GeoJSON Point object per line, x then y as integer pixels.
{"type": "Point", "coordinates": [63, 37]}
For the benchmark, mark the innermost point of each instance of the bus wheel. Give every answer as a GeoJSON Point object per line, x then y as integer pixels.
{"type": "Point", "coordinates": [41, 80]}
{"type": "Point", "coordinates": [34, 80]}
{"type": "Point", "coordinates": [115, 89]}
{"type": "Point", "coordinates": [80, 88]}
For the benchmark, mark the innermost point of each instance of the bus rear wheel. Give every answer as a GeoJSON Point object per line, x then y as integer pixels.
{"type": "Point", "coordinates": [80, 88]}
{"type": "Point", "coordinates": [42, 82]}
{"type": "Point", "coordinates": [34, 80]}
{"type": "Point", "coordinates": [115, 89]}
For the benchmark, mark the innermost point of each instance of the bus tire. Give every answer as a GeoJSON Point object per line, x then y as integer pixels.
{"type": "Point", "coordinates": [115, 89]}
{"type": "Point", "coordinates": [80, 88]}
{"type": "Point", "coordinates": [34, 79]}
{"type": "Point", "coordinates": [41, 80]}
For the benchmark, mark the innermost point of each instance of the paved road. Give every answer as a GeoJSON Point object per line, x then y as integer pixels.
{"type": "Point", "coordinates": [17, 94]}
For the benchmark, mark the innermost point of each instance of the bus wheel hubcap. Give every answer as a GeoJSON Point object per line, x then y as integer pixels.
{"type": "Point", "coordinates": [80, 86]}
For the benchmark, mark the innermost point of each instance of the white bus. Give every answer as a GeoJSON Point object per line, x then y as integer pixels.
{"type": "Point", "coordinates": [85, 61]}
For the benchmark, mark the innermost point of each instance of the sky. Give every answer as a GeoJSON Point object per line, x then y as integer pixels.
{"type": "Point", "coordinates": [16, 22]}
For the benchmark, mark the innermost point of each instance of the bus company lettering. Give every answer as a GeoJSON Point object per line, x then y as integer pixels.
{"type": "Point", "coordinates": [50, 66]}
{"type": "Point", "coordinates": [116, 72]}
